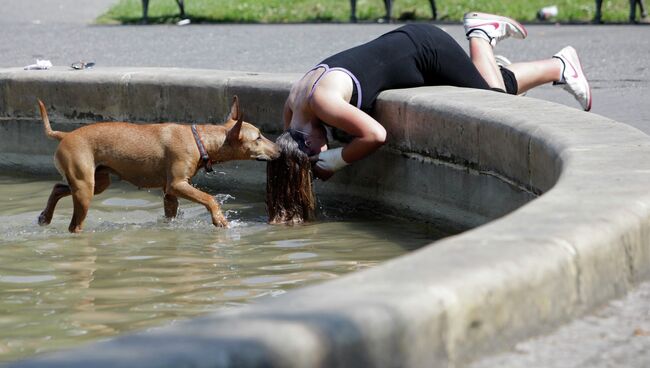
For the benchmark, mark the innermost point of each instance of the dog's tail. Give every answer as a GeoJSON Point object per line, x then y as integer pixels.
{"type": "Point", "coordinates": [53, 134]}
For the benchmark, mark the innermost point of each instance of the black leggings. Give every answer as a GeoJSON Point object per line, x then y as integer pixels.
{"type": "Point", "coordinates": [412, 56]}
{"type": "Point", "coordinates": [445, 62]}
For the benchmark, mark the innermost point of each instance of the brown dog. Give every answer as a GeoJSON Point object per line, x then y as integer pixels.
{"type": "Point", "coordinates": [163, 156]}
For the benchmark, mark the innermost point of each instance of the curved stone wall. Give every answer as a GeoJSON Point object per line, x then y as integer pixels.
{"type": "Point", "coordinates": [584, 240]}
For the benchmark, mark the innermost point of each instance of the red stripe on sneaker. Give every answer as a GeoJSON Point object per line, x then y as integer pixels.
{"type": "Point", "coordinates": [493, 24]}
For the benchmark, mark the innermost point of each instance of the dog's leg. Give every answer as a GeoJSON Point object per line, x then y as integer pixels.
{"type": "Point", "coordinates": [59, 191]}
{"type": "Point", "coordinates": [171, 206]}
{"type": "Point", "coordinates": [183, 189]}
{"type": "Point", "coordinates": [82, 194]}
{"type": "Point", "coordinates": [79, 169]}
{"type": "Point", "coordinates": [102, 180]}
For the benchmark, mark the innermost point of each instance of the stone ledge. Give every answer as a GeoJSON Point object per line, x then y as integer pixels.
{"type": "Point", "coordinates": [585, 240]}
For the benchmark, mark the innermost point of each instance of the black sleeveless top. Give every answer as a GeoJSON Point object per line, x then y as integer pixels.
{"type": "Point", "coordinates": [402, 58]}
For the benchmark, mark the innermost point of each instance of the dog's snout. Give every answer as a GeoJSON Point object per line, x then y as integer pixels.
{"type": "Point", "coordinates": [273, 150]}
{"type": "Point", "coordinates": [276, 153]}
{"type": "Point", "coordinates": [269, 156]}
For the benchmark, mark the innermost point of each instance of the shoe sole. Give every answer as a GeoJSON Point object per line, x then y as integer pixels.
{"type": "Point", "coordinates": [487, 16]}
{"type": "Point", "coordinates": [573, 59]}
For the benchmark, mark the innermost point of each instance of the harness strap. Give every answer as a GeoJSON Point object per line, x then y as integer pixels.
{"type": "Point", "coordinates": [205, 159]}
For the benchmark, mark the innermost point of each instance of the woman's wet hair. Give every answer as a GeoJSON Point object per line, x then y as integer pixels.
{"type": "Point", "coordinates": [290, 195]}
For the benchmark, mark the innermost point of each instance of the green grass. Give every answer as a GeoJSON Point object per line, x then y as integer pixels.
{"type": "Point", "coordinates": [292, 11]}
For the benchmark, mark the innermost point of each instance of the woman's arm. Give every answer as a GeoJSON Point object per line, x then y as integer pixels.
{"type": "Point", "coordinates": [331, 108]}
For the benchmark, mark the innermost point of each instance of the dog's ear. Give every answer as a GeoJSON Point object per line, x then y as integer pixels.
{"type": "Point", "coordinates": [235, 112]}
{"type": "Point", "coordinates": [234, 134]}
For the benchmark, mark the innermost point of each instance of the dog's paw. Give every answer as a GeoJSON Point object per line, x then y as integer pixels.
{"type": "Point", "coordinates": [220, 221]}
{"type": "Point", "coordinates": [75, 229]}
{"type": "Point", "coordinates": [43, 220]}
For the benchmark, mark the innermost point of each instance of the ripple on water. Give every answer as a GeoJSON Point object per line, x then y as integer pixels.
{"type": "Point", "coordinates": [133, 269]}
{"type": "Point", "coordinates": [26, 279]}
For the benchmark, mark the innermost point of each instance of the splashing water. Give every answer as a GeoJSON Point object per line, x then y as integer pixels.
{"type": "Point", "coordinates": [133, 269]}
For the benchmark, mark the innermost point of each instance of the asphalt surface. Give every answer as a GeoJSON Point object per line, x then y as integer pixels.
{"type": "Point", "coordinates": [616, 58]}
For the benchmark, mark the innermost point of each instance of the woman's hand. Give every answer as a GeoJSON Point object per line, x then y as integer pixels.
{"type": "Point", "coordinates": [319, 172]}
{"type": "Point", "coordinates": [327, 162]}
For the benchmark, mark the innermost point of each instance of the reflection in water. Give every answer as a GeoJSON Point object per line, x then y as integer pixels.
{"type": "Point", "coordinates": [131, 269]}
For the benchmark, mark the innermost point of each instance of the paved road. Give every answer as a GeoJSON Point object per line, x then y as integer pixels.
{"type": "Point", "coordinates": [616, 58]}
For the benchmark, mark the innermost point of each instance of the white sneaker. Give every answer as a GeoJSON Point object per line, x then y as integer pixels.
{"type": "Point", "coordinates": [573, 78]}
{"type": "Point", "coordinates": [492, 28]}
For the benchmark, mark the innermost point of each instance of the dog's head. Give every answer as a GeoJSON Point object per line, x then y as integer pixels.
{"type": "Point", "coordinates": [245, 141]}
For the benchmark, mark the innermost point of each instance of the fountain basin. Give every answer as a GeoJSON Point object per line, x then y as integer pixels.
{"type": "Point", "coordinates": [553, 201]}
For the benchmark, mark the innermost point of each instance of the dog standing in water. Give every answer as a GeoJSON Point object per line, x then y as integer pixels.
{"type": "Point", "coordinates": [163, 156]}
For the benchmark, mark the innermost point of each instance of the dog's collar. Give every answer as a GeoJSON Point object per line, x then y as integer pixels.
{"type": "Point", "coordinates": [205, 159]}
